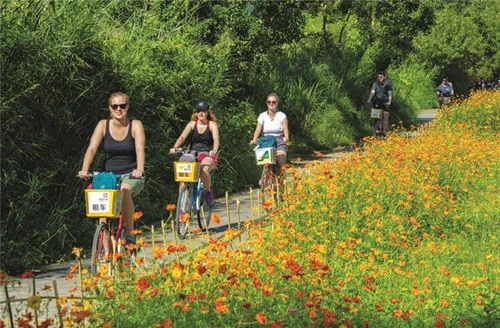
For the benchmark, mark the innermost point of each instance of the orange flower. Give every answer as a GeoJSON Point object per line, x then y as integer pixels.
{"type": "Point", "coordinates": [170, 207]}
{"type": "Point", "coordinates": [267, 204]}
{"type": "Point", "coordinates": [136, 232]}
{"type": "Point", "coordinates": [261, 318]}
{"type": "Point", "coordinates": [184, 218]}
{"type": "Point", "coordinates": [143, 284]}
{"type": "Point", "coordinates": [27, 274]}
{"type": "Point", "coordinates": [167, 323]}
{"type": "Point", "coordinates": [221, 307]}
{"type": "Point", "coordinates": [318, 154]}
{"type": "Point", "coordinates": [137, 215]}
{"type": "Point", "coordinates": [215, 218]}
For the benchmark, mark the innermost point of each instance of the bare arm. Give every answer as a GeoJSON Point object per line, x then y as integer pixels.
{"type": "Point", "coordinates": [95, 142]}
{"type": "Point", "coordinates": [140, 143]}
{"type": "Point", "coordinates": [256, 134]}
{"type": "Point", "coordinates": [372, 93]}
{"type": "Point", "coordinates": [285, 130]}
{"type": "Point", "coordinates": [215, 134]}
{"type": "Point", "coordinates": [389, 97]}
{"type": "Point", "coordinates": [183, 136]}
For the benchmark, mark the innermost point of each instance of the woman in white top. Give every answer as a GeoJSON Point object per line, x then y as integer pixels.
{"type": "Point", "coordinates": [273, 122]}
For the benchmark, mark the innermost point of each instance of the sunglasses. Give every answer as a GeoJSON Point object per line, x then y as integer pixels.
{"type": "Point", "coordinates": [122, 106]}
{"type": "Point", "coordinates": [271, 102]}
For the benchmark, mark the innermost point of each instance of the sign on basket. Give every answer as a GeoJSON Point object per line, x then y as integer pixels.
{"type": "Point", "coordinates": [103, 203]}
{"type": "Point", "coordinates": [265, 155]}
{"type": "Point", "coordinates": [186, 171]}
{"type": "Point", "coordinates": [377, 113]}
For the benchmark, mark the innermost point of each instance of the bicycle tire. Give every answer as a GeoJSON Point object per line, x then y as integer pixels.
{"type": "Point", "coordinates": [205, 209]}
{"type": "Point", "coordinates": [267, 178]}
{"type": "Point", "coordinates": [182, 228]}
{"type": "Point", "coordinates": [98, 251]}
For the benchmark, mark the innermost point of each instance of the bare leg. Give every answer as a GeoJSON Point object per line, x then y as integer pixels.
{"type": "Point", "coordinates": [385, 122]}
{"type": "Point", "coordinates": [207, 165]}
{"type": "Point", "coordinates": [280, 160]}
{"type": "Point", "coordinates": [127, 208]}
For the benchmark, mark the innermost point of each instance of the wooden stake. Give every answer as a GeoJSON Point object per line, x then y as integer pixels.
{"type": "Point", "coordinates": [251, 202]}
{"type": "Point", "coordinates": [206, 225]}
{"type": "Point", "coordinates": [227, 211]}
{"type": "Point", "coordinates": [9, 308]}
{"type": "Point", "coordinates": [238, 214]}
{"type": "Point", "coordinates": [164, 235]}
{"type": "Point", "coordinates": [33, 292]}
{"type": "Point", "coordinates": [58, 307]}
{"type": "Point", "coordinates": [153, 237]}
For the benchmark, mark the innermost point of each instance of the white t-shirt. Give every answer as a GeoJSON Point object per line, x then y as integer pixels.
{"type": "Point", "coordinates": [272, 127]}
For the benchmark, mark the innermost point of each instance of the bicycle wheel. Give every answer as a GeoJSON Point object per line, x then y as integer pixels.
{"type": "Point", "coordinates": [203, 211]}
{"type": "Point", "coordinates": [101, 241]}
{"type": "Point", "coordinates": [184, 206]}
{"type": "Point", "coordinates": [267, 178]}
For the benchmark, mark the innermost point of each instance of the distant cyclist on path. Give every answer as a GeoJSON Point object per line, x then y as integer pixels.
{"type": "Point", "coordinates": [381, 98]}
{"type": "Point", "coordinates": [445, 91]}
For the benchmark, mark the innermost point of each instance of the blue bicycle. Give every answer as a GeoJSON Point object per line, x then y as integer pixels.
{"type": "Point", "coordinates": [191, 199]}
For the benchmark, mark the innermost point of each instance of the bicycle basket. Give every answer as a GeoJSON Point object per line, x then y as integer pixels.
{"type": "Point", "coordinates": [377, 113]}
{"type": "Point", "coordinates": [186, 171]}
{"type": "Point", "coordinates": [102, 203]}
{"type": "Point", "coordinates": [265, 155]}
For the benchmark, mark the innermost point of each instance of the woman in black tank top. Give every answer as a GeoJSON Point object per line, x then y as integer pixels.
{"type": "Point", "coordinates": [124, 143]}
{"type": "Point", "coordinates": [205, 142]}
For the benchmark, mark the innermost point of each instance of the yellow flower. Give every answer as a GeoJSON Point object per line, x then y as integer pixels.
{"type": "Point", "coordinates": [34, 302]}
{"type": "Point", "coordinates": [77, 251]}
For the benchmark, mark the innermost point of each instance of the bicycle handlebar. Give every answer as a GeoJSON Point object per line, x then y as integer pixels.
{"type": "Point", "coordinates": [93, 174]}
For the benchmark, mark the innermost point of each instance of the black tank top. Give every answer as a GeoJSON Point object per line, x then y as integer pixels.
{"type": "Point", "coordinates": [202, 142]}
{"type": "Point", "coordinates": [120, 155]}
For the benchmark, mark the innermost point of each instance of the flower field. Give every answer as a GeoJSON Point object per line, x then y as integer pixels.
{"type": "Point", "coordinates": [400, 234]}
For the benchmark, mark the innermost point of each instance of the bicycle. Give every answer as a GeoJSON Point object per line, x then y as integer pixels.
{"type": "Point", "coordinates": [265, 154]}
{"type": "Point", "coordinates": [377, 115]}
{"type": "Point", "coordinates": [109, 236]}
{"type": "Point", "coordinates": [191, 199]}
{"type": "Point", "coordinates": [444, 100]}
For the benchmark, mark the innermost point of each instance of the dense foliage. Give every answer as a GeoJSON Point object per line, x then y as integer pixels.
{"type": "Point", "coordinates": [61, 59]}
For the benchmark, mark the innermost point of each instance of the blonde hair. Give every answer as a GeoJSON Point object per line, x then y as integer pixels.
{"type": "Point", "coordinates": [210, 116]}
{"type": "Point", "coordinates": [118, 94]}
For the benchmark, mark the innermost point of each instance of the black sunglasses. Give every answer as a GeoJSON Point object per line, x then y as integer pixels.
{"type": "Point", "coordinates": [122, 106]}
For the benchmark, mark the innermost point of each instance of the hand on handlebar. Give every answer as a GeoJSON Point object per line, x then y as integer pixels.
{"type": "Point", "coordinates": [174, 150]}
{"type": "Point", "coordinates": [137, 173]}
{"type": "Point", "coordinates": [253, 142]}
{"type": "Point", "coordinates": [84, 175]}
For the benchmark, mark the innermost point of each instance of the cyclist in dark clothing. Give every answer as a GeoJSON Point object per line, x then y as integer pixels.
{"type": "Point", "coordinates": [445, 92]}
{"type": "Point", "coordinates": [124, 143]}
{"type": "Point", "coordinates": [205, 143]}
{"type": "Point", "coordinates": [381, 97]}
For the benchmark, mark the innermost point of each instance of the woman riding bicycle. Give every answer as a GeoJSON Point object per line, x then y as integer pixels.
{"type": "Point", "coordinates": [124, 142]}
{"type": "Point", "coordinates": [204, 144]}
{"type": "Point", "coordinates": [273, 122]}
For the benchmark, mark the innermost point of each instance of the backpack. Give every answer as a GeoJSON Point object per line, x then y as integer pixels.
{"type": "Point", "coordinates": [106, 180]}
{"type": "Point", "coordinates": [266, 142]}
